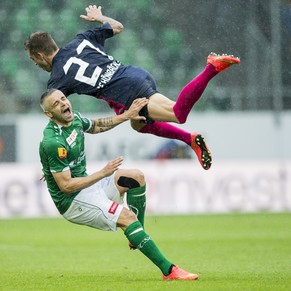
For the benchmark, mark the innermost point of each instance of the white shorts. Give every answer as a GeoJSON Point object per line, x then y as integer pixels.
{"type": "Point", "coordinates": [97, 206]}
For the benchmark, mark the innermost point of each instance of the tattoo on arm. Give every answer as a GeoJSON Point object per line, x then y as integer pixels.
{"type": "Point", "coordinates": [102, 129]}
{"type": "Point", "coordinates": [105, 122]}
{"type": "Point", "coordinates": [101, 125]}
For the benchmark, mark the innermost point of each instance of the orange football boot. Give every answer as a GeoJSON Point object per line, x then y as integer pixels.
{"type": "Point", "coordinates": [201, 150]}
{"type": "Point", "coordinates": [180, 274]}
{"type": "Point", "coordinates": [222, 62]}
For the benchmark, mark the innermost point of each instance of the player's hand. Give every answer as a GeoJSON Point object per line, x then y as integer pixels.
{"type": "Point", "coordinates": [134, 109]}
{"type": "Point", "coordinates": [94, 13]}
{"type": "Point", "coordinates": [112, 166]}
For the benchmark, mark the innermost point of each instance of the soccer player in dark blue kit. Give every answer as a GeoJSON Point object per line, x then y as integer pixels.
{"type": "Point", "coordinates": [83, 67]}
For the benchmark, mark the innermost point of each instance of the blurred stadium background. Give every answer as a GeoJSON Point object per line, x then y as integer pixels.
{"type": "Point", "coordinates": [244, 113]}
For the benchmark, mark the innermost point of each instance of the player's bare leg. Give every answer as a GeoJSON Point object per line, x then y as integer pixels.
{"type": "Point", "coordinates": [161, 108]}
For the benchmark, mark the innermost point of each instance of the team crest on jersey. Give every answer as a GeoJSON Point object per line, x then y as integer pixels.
{"type": "Point", "coordinates": [62, 153]}
{"type": "Point", "coordinates": [72, 137]}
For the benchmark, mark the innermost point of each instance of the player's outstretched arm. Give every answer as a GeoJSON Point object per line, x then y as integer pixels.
{"type": "Point", "coordinates": [107, 123]}
{"type": "Point", "coordinates": [94, 14]}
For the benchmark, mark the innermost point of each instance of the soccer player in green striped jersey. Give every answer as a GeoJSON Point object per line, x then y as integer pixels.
{"type": "Point", "coordinates": [96, 200]}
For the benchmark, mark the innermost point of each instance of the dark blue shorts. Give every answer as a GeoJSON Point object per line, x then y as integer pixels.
{"type": "Point", "coordinates": [129, 84]}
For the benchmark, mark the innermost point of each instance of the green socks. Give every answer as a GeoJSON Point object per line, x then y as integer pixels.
{"type": "Point", "coordinates": [136, 201]}
{"type": "Point", "coordinates": [142, 241]}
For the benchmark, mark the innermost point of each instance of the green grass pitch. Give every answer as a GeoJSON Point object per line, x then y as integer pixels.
{"type": "Point", "coordinates": [229, 252]}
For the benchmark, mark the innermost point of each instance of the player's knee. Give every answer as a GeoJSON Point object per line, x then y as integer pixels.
{"type": "Point", "coordinates": [138, 175]}
{"type": "Point", "coordinates": [131, 179]}
{"type": "Point", "coordinates": [181, 119]}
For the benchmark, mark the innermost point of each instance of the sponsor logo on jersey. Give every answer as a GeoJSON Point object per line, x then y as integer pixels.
{"type": "Point", "coordinates": [107, 75]}
{"type": "Point", "coordinates": [62, 153]}
{"type": "Point", "coordinates": [72, 137]}
{"type": "Point", "coordinates": [113, 208]}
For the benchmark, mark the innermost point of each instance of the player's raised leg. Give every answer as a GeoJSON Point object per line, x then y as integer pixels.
{"type": "Point", "coordinates": [192, 92]}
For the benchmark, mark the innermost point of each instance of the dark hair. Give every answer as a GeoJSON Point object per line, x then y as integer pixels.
{"type": "Point", "coordinates": [45, 95]}
{"type": "Point", "coordinates": [40, 41]}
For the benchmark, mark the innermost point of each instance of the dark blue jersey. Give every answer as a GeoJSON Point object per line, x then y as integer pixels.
{"type": "Point", "coordinates": [84, 67]}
